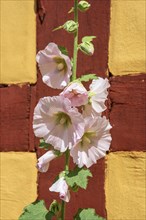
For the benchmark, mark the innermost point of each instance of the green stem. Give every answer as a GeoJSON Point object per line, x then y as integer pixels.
{"type": "Point", "coordinates": [75, 53]}
{"type": "Point", "coordinates": [62, 210]}
{"type": "Point", "coordinates": [67, 157]}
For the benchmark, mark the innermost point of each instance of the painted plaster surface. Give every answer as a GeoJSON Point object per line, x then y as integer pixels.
{"type": "Point", "coordinates": [18, 42]}
{"type": "Point", "coordinates": [18, 183]}
{"type": "Point", "coordinates": [125, 186]}
{"type": "Point", "coordinates": [127, 47]}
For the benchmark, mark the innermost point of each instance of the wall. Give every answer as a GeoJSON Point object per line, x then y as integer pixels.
{"type": "Point", "coordinates": [117, 190]}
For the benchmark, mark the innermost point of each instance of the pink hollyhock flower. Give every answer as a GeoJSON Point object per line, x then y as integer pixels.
{"type": "Point", "coordinates": [55, 67]}
{"type": "Point", "coordinates": [43, 161]}
{"type": "Point", "coordinates": [57, 122]}
{"type": "Point", "coordinates": [94, 143]}
{"type": "Point", "coordinates": [89, 111]}
{"type": "Point", "coordinates": [76, 93]}
{"type": "Point", "coordinates": [98, 94]}
{"type": "Point", "coordinates": [61, 187]}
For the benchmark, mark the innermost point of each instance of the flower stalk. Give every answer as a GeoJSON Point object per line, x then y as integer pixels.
{"type": "Point", "coordinates": [63, 204]}
{"type": "Point", "coordinates": [75, 53]}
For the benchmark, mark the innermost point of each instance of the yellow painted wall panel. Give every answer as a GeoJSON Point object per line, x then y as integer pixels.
{"type": "Point", "coordinates": [127, 46]}
{"type": "Point", "coordinates": [125, 186]}
{"type": "Point", "coordinates": [18, 183]}
{"type": "Point", "coordinates": [18, 42]}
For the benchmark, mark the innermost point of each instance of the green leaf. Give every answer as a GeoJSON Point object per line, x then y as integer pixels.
{"type": "Point", "coordinates": [87, 214]}
{"type": "Point", "coordinates": [88, 38]}
{"type": "Point", "coordinates": [87, 77]}
{"type": "Point", "coordinates": [36, 211]}
{"type": "Point", "coordinates": [63, 50]}
{"type": "Point", "coordinates": [79, 177]}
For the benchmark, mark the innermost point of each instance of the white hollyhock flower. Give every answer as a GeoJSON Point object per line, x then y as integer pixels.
{"type": "Point", "coordinates": [55, 67]}
{"type": "Point", "coordinates": [89, 111]}
{"type": "Point", "coordinates": [98, 94]}
{"type": "Point", "coordinates": [57, 122]}
{"type": "Point", "coordinates": [61, 187]}
{"type": "Point", "coordinates": [43, 161]}
{"type": "Point", "coordinates": [76, 93]}
{"type": "Point", "coordinates": [94, 143]}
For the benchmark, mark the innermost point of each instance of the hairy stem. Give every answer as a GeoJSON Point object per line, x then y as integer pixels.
{"type": "Point", "coordinates": [75, 53]}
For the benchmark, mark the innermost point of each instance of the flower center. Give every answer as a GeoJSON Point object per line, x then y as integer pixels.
{"type": "Point", "coordinates": [61, 64]}
{"type": "Point", "coordinates": [63, 119]}
{"type": "Point", "coordinates": [87, 138]}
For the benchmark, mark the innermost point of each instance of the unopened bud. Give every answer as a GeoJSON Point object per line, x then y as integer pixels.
{"type": "Point", "coordinates": [87, 48]}
{"type": "Point", "coordinates": [70, 26]}
{"type": "Point", "coordinates": [83, 6]}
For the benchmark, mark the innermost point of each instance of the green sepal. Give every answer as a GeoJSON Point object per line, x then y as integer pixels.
{"type": "Point", "coordinates": [71, 26]}
{"type": "Point", "coordinates": [58, 28]}
{"type": "Point", "coordinates": [57, 153]}
{"type": "Point", "coordinates": [79, 177]}
{"type": "Point", "coordinates": [71, 10]}
{"type": "Point", "coordinates": [61, 174]}
{"type": "Point", "coordinates": [55, 207]}
{"type": "Point", "coordinates": [36, 210]}
{"type": "Point", "coordinates": [44, 145]}
{"type": "Point", "coordinates": [83, 6]}
{"type": "Point", "coordinates": [88, 38]}
{"type": "Point", "coordinates": [87, 48]}
{"type": "Point", "coordinates": [87, 214]}
{"type": "Point", "coordinates": [87, 77]}
{"type": "Point", "coordinates": [63, 50]}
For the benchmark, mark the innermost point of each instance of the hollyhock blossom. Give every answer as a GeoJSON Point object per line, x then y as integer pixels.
{"type": "Point", "coordinates": [60, 124]}
{"type": "Point", "coordinates": [43, 161]}
{"type": "Point", "coordinates": [94, 143]}
{"type": "Point", "coordinates": [98, 94]}
{"type": "Point", "coordinates": [61, 187]}
{"type": "Point", "coordinates": [89, 111]}
{"type": "Point", "coordinates": [76, 93]}
{"type": "Point", "coordinates": [55, 67]}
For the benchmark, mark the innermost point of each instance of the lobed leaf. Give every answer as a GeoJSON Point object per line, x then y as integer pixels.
{"type": "Point", "coordinates": [87, 77]}
{"type": "Point", "coordinates": [37, 211]}
{"type": "Point", "coordinates": [88, 38]}
{"type": "Point", "coordinates": [78, 177]}
{"type": "Point", "coordinates": [87, 214]}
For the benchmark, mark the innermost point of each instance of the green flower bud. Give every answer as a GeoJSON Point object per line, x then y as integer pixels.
{"type": "Point", "coordinates": [70, 26]}
{"type": "Point", "coordinates": [83, 6]}
{"type": "Point", "coordinates": [87, 48]}
{"type": "Point", "coordinates": [55, 207]}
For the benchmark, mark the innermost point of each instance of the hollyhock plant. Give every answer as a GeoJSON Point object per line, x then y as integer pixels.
{"type": "Point", "coordinates": [57, 122]}
{"type": "Point", "coordinates": [61, 187]}
{"type": "Point", "coordinates": [94, 143]}
{"type": "Point", "coordinates": [70, 124]}
{"type": "Point", "coordinates": [44, 161]}
{"type": "Point", "coordinates": [55, 67]}
{"type": "Point", "coordinates": [98, 94]}
{"type": "Point", "coordinates": [76, 93]}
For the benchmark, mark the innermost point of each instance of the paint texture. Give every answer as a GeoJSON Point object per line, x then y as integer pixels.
{"type": "Point", "coordinates": [18, 42]}
{"type": "Point", "coordinates": [125, 186]}
{"type": "Point", "coordinates": [18, 183]}
{"type": "Point", "coordinates": [128, 112]}
{"type": "Point", "coordinates": [127, 53]}
{"type": "Point", "coordinates": [16, 107]}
